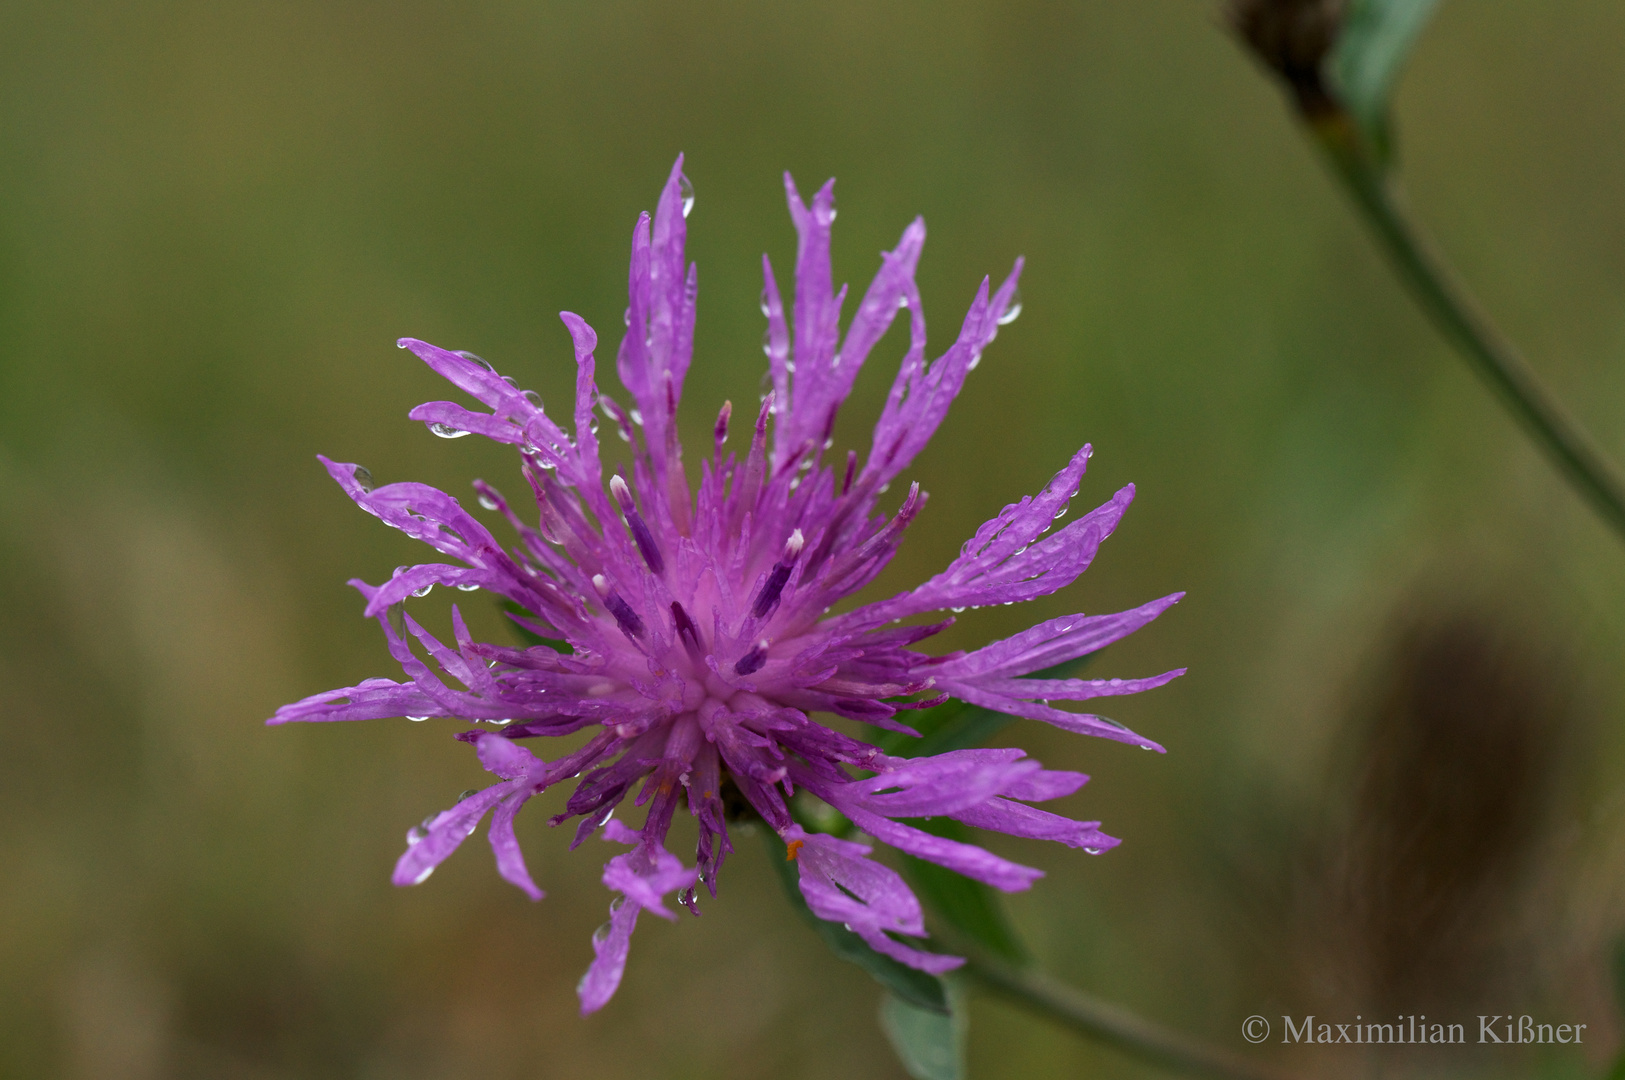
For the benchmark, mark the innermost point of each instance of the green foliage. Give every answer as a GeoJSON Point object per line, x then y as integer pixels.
{"type": "Point", "coordinates": [930, 1044]}
{"type": "Point", "coordinates": [1376, 37]}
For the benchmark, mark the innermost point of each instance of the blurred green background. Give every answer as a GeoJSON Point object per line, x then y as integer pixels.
{"type": "Point", "coordinates": [216, 218]}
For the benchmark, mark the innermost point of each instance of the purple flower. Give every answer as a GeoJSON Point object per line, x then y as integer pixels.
{"type": "Point", "coordinates": [694, 629]}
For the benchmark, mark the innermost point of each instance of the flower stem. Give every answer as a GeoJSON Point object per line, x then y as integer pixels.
{"type": "Point", "coordinates": [1447, 303]}
{"type": "Point", "coordinates": [1112, 1024]}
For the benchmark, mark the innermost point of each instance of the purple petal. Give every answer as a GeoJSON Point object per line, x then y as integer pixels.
{"type": "Point", "coordinates": [445, 833]}
{"type": "Point", "coordinates": [967, 859]}
{"type": "Point", "coordinates": [1054, 642]}
{"type": "Point", "coordinates": [610, 944]}
{"type": "Point", "coordinates": [510, 859]}
{"type": "Point", "coordinates": [1017, 819]}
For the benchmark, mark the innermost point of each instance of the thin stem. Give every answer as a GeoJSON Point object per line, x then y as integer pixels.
{"type": "Point", "coordinates": [1112, 1024]}
{"type": "Point", "coordinates": [1447, 303]}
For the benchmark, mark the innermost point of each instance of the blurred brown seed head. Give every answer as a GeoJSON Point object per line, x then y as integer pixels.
{"type": "Point", "coordinates": [1293, 38]}
{"type": "Point", "coordinates": [1460, 747]}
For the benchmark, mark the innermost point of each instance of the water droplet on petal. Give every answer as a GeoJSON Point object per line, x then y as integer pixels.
{"type": "Point", "coordinates": [446, 431]}
{"type": "Point", "coordinates": [600, 935]}
{"type": "Point", "coordinates": [415, 835]}
{"type": "Point", "coordinates": [417, 719]}
{"type": "Point", "coordinates": [766, 304]}
{"type": "Point", "coordinates": [488, 503]}
{"type": "Point", "coordinates": [1013, 312]}
{"type": "Point", "coordinates": [466, 587]}
{"type": "Point", "coordinates": [975, 361]}
{"type": "Point", "coordinates": [1061, 513]}
{"type": "Point", "coordinates": [533, 397]}
{"type": "Point", "coordinates": [421, 878]}
{"type": "Point", "coordinates": [468, 794]}
{"type": "Point", "coordinates": [956, 610]}
{"type": "Point", "coordinates": [423, 591]}
{"type": "Point", "coordinates": [686, 190]}
{"type": "Point", "coordinates": [363, 477]}
{"type": "Point", "coordinates": [473, 359]}
{"type": "Point", "coordinates": [767, 342]}
{"type": "Point", "coordinates": [1091, 851]}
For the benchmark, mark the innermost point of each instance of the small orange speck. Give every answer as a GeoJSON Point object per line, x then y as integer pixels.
{"type": "Point", "coordinates": [792, 848]}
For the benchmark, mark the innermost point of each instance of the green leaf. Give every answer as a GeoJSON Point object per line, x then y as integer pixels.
{"type": "Point", "coordinates": [930, 1044]}
{"type": "Point", "coordinates": [972, 908]}
{"type": "Point", "coordinates": [1376, 37]}
{"type": "Point", "coordinates": [923, 992]}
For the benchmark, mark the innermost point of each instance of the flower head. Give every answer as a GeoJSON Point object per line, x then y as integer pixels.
{"type": "Point", "coordinates": [693, 630]}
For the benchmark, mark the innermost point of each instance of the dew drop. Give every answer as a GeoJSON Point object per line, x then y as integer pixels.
{"type": "Point", "coordinates": [600, 935]}
{"type": "Point", "coordinates": [1013, 312]}
{"type": "Point", "coordinates": [488, 503]}
{"type": "Point", "coordinates": [471, 792]}
{"type": "Point", "coordinates": [617, 904]}
{"type": "Point", "coordinates": [533, 397]}
{"type": "Point", "coordinates": [421, 878]}
{"type": "Point", "coordinates": [957, 610]}
{"type": "Point", "coordinates": [473, 359]}
{"type": "Point", "coordinates": [637, 417]}
{"type": "Point", "coordinates": [364, 477]}
{"type": "Point", "coordinates": [902, 302]}
{"type": "Point", "coordinates": [1091, 851]}
{"type": "Point", "coordinates": [423, 591]}
{"type": "Point", "coordinates": [766, 304]}
{"type": "Point", "coordinates": [1061, 513]}
{"type": "Point", "coordinates": [975, 360]}
{"type": "Point", "coordinates": [415, 835]}
{"type": "Point", "coordinates": [417, 719]}
{"type": "Point", "coordinates": [399, 570]}
{"type": "Point", "coordinates": [465, 587]}
{"type": "Point", "coordinates": [626, 317]}
{"type": "Point", "coordinates": [686, 189]}
{"type": "Point", "coordinates": [446, 431]}
{"type": "Point", "coordinates": [767, 342]}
